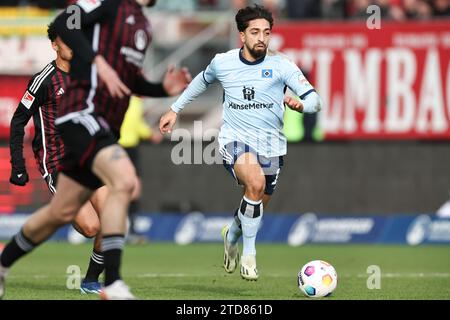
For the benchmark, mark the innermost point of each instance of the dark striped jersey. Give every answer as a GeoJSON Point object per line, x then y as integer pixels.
{"type": "Point", "coordinates": [117, 30]}
{"type": "Point", "coordinates": [41, 102]}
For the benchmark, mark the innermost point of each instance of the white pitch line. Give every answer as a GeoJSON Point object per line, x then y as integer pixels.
{"type": "Point", "coordinates": [409, 275]}
{"type": "Point", "coordinates": [35, 276]}
{"type": "Point", "coordinates": [182, 275]}
{"type": "Point", "coordinates": [167, 275]}
{"type": "Point", "coordinates": [361, 275]}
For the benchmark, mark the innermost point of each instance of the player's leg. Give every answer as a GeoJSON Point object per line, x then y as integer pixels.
{"type": "Point", "coordinates": [44, 222]}
{"type": "Point", "coordinates": [90, 283]}
{"type": "Point", "coordinates": [265, 200]}
{"type": "Point", "coordinates": [114, 168]}
{"type": "Point", "coordinates": [231, 233]}
{"type": "Point", "coordinates": [234, 231]}
{"type": "Point", "coordinates": [87, 223]}
{"type": "Point", "coordinates": [272, 173]}
{"type": "Point", "coordinates": [249, 172]}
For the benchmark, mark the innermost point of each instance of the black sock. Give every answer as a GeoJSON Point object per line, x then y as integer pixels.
{"type": "Point", "coordinates": [112, 246]}
{"type": "Point", "coordinates": [19, 246]}
{"type": "Point", "coordinates": [95, 268]}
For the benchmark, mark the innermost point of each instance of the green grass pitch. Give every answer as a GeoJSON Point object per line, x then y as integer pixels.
{"type": "Point", "coordinates": [168, 271]}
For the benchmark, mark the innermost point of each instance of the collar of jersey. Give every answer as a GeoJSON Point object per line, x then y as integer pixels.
{"type": "Point", "coordinates": [56, 66]}
{"type": "Point", "coordinates": [241, 57]}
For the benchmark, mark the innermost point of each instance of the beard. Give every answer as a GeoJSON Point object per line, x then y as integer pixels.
{"type": "Point", "coordinates": [151, 3]}
{"type": "Point", "coordinates": [257, 53]}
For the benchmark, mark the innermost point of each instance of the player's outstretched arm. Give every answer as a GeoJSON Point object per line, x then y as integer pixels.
{"type": "Point", "coordinates": [194, 89]}
{"type": "Point", "coordinates": [19, 175]}
{"type": "Point", "coordinates": [167, 121]}
{"type": "Point", "coordinates": [175, 81]}
{"type": "Point", "coordinates": [109, 76]}
{"type": "Point", "coordinates": [33, 98]}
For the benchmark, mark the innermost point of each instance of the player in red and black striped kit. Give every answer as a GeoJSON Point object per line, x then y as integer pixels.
{"type": "Point", "coordinates": [41, 102]}
{"type": "Point", "coordinates": [109, 45]}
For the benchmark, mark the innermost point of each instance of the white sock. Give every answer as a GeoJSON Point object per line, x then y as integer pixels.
{"type": "Point", "coordinates": [250, 214]}
{"type": "Point", "coordinates": [3, 270]}
{"type": "Point", "coordinates": [235, 231]}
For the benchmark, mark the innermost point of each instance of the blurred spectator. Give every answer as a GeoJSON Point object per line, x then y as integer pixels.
{"type": "Point", "coordinates": [306, 9]}
{"type": "Point", "coordinates": [417, 9]}
{"type": "Point", "coordinates": [358, 9]}
{"type": "Point", "coordinates": [397, 13]}
{"type": "Point", "coordinates": [213, 4]}
{"type": "Point", "coordinates": [239, 4]}
{"type": "Point", "coordinates": [424, 10]}
{"type": "Point", "coordinates": [385, 8]}
{"type": "Point", "coordinates": [274, 6]}
{"type": "Point", "coordinates": [333, 9]}
{"type": "Point", "coordinates": [441, 8]}
{"type": "Point", "coordinates": [177, 5]}
{"type": "Point", "coordinates": [398, 10]}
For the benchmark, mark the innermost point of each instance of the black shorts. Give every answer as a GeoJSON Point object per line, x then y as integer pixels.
{"type": "Point", "coordinates": [51, 179]}
{"type": "Point", "coordinates": [270, 166]}
{"type": "Point", "coordinates": [84, 136]}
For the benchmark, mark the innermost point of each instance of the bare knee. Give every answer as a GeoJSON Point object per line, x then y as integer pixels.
{"type": "Point", "coordinates": [124, 186]}
{"type": "Point", "coordinates": [255, 187]}
{"type": "Point", "coordinates": [88, 230]}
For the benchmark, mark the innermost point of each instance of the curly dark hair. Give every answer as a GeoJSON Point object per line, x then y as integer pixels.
{"type": "Point", "coordinates": [51, 32]}
{"type": "Point", "coordinates": [245, 15]}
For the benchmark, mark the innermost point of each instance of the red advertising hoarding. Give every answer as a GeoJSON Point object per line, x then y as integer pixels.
{"type": "Point", "coordinates": [12, 89]}
{"type": "Point", "coordinates": [391, 83]}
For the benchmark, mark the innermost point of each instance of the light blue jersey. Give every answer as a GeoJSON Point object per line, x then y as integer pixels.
{"type": "Point", "coordinates": [253, 105]}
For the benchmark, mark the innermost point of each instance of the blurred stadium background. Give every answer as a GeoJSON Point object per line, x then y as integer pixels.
{"type": "Point", "coordinates": [372, 167]}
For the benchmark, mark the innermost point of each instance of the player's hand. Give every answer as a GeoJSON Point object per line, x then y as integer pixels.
{"type": "Point", "coordinates": [176, 80]}
{"type": "Point", "coordinates": [167, 122]}
{"type": "Point", "coordinates": [294, 104]}
{"type": "Point", "coordinates": [19, 177]}
{"type": "Point", "coordinates": [109, 76]}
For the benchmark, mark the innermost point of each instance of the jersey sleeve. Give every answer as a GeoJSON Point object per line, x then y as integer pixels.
{"type": "Point", "coordinates": [209, 74]}
{"type": "Point", "coordinates": [293, 78]}
{"type": "Point", "coordinates": [84, 13]}
{"type": "Point", "coordinates": [36, 93]}
{"type": "Point", "coordinates": [297, 82]}
{"type": "Point", "coordinates": [197, 86]}
{"type": "Point", "coordinates": [34, 97]}
{"type": "Point", "coordinates": [143, 87]}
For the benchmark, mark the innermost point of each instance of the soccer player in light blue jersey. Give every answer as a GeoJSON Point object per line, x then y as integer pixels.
{"type": "Point", "coordinates": [251, 140]}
